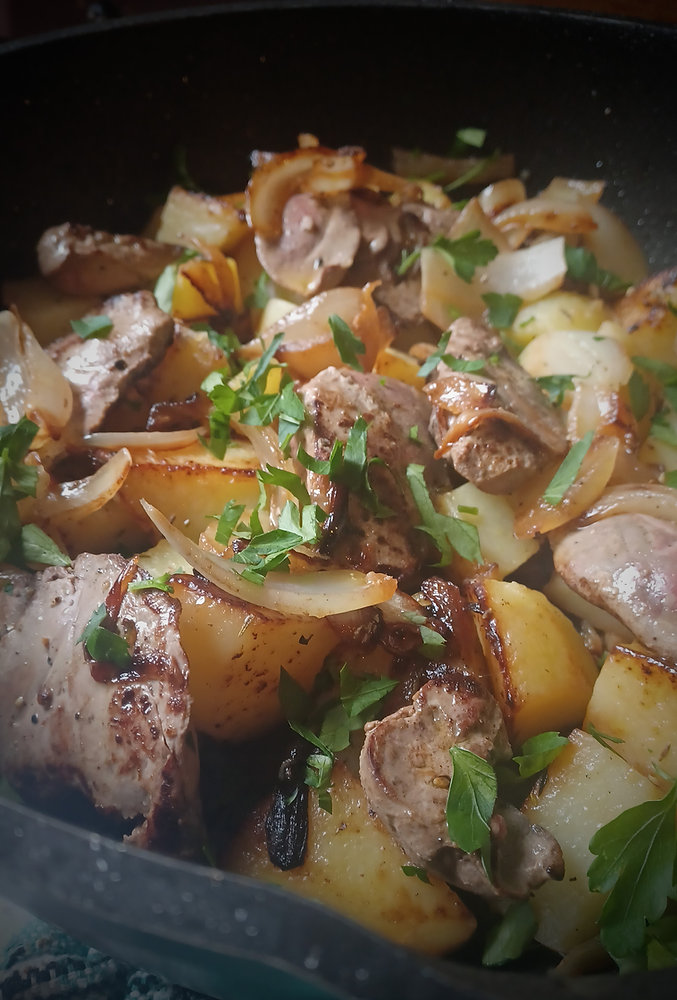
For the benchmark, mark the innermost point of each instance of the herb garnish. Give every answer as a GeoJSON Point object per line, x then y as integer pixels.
{"type": "Point", "coordinates": [555, 387]}
{"type": "Point", "coordinates": [415, 871]}
{"type": "Point", "coordinates": [164, 286]}
{"type": "Point", "coordinates": [154, 583]}
{"type": "Point", "coordinates": [464, 255]}
{"type": "Point", "coordinates": [568, 470]}
{"type": "Point", "coordinates": [347, 344]}
{"type": "Point", "coordinates": [470, 800]}
{"type": "Point", "coordinates": [539, 751]}
{"type": "Point", "coordinates": [92, 327]}
{"type": "Point", "coordinates": [450, 534]}
{"type": "Point", "coordinates": [102, 644]}
{"type": "Point", "coordinates": [508, 939]}
{"type": "Point", "coordinates": [503, 309]}
{"type": "Point", "coordinates": [582, 266]}
{"type": "Point", "coordinates": [635, 864]}
{"type": "Point", "coordinates": [21, 542]}
{"type": "Point", "coordinates": [456, 364]}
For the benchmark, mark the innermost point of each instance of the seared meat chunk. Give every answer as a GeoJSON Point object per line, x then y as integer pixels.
{"type": "Point", "coordinates": [627, 564]}
{"type": "Point", "coordinates": [495, 426]}
{"type": "Point", "coordinates": [80, 260]}
{"type": "Point", "coordinates": [354, 535]}
{"type": "Point", "coordinates": [100, 369]}
{"type": "Point", "coordinates": [405, 772]}
{"type": "Point", "coordinates": [119, 736]}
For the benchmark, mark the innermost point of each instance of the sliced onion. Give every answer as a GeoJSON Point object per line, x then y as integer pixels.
{"type": "Point", "coordinates": [31, 383]}
{"type": "Point", "coordinates": [549, 214]}
{"type": "Point", "coordinates": [82, 497]}
{"type": "Point", "coordinates": [535, 517]}
{"type": "Point", "coordinates": [311, 169]}
{"type": "Point", "coordinates": [155, 440]}
{"type": "Point", "coordinates": [574, 190]}
{"type": "Point", "coordinates": [496, 197]}
{"type": "Point", "coordinates": [652, 499]}
{"type": "Point", "coordinates": [529, 273]}
{"type": "Point", "coordinates": [316, 594]}
{"type": "Point", "coordinates": [308, 345]}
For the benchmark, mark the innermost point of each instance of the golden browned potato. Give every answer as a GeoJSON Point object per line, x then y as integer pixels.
{"type": "Point", "coordinates": [353, 865]}
{"type": "Point", "coordinates": [542, 674]}
{"type": "Point", "coordinates": [635, 701]}
{"type": "Point", "coordinates": [236, 652]}
{"type": "Point", "coordinates": [587, 787]}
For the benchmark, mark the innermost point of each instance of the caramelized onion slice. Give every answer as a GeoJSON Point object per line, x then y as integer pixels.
{"type": "Point", "coordinates": [529, 273]}
{"type": "Point", "coordinates": [316, 594]}
{"type": "Point", "coordinates": [81, 497]}
{"type": "Point", "coordinates": [652, 499]}
{"type": "Point", "coordinates": [155, 440]}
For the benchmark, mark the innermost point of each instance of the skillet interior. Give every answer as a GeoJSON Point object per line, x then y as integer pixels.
{"type": "Point", "coordinates": [92, 121]}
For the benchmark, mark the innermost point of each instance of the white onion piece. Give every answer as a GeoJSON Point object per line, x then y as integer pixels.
{"type": "Point", "coordinates": [529, 273]}
{"type": "Point", "coordinates": [496, 197]}
{"type": "Point", "coordinates": [549, 214]}
{"type": "Point", "coordinates": [316, 594]}
{"type": "Point", "coordinates": [31, 384]}
{"type": "Point", "coordinates": [264, 441]}
{"type": "Point", "coordinates": [81, 497]}
{"type": "Point", "coordinates": [652, 499]}
{"type": "Point", "coordinates": [561, 595]}
{"type": "Point", "coordinates": [309, 322]}
{"type": "Point", "coordinates": [574, 190]}
{"type": "Point", "coordinates": [600, 360]}
{"type": "Point", "coordinates": [155, 440]}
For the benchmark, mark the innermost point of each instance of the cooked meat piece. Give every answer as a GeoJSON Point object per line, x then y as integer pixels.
{"type": "Point", "coordinates": [350, 238]}
{"type": "Point", "coordinates": [495, 426]}
{"type": "Point", "coordinates": [402, 299]}
{"type": "Point", "coordinates": [355, 536]}
{"type": "Point", "coordinates": [318, 244]}
{"type": "Point", "coordinates": [405, 770]}
{"type": "Point", "coordinates": [80, 260]}
{"type": "Point", "coordinates": [100, 369]}
{"type": "Point", "coordinates": [119, 736]}
{"type": "Point", "coordinates": [627, 564]}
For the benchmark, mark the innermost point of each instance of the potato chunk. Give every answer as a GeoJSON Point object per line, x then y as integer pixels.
{"type": "Point", "coordinates": [542, 675]}
{"type": "Point", "coordinates": [236, 651]}
{"type": "Point", "coordinates": [635, 701]}
{"type": "Point", "coordinates": [353, 865]}
{"type": "Point", "coordinates": [587, 787]}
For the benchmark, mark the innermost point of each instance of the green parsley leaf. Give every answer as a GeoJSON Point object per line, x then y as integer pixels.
{"type": "Point", "coordinates": [640, 395]}
{"type": "Point", "coordinates": [450, 534]}
{"type": "Point", "coordinates": [38, 547]}
{"type": "Point", "coordinates": [101, 643]}
{"type": "Point", "coordinates": [92, 327]}
{"type": "Point", "coordinates": [414, 871]}
{"type": "Point", "coordinates": [466, 138]}
{"type": "Point", "coordinates": [456, 364]}
{"type": "Point", "coordinates": [635, 864]}
{"type": "Point", "coordinates": [471, 173]}
{"type": "Point", "coordinates": [503, 309]}
{"type": "Point", "coordinates": [261, 293]}
{"type": "Point", "coordinates": [182, 173]}
{"type": "Point", "coordinates": [294, 700]}
{"type": "Point", "coordinates": [508, 939]}
{"type": "Point", "coordinates": [432, 643]}
{"type": "Point", "coordinates": [671, 478]}
{"type": "Point", "coordinates": [568, 470]}
{"type": "Point", "coordinates": [466, 253]}
{"type": "Point", "coordinates": [228, 521]}
{"type": "Point", "coordinates": [661, 950]}
{"type": "Point", "coordinates": [226, 341]}
{"type": "Point", "coordinates": [154, 583]}
{"type": "Point", "coordinates": [603, 738]}
{"type": "Point", "coordinates": [582, 266]}
{"type": "Point", "coordinates": [539, 751]}
{"type": "Point", "coordinates": [290, 481]}
{"type": "Point", "coordinates": [347, 344]}
{"type": "Point", "coordinates": [662, 430]}
{"type": "Point", "coordinates": [318, 775]}
{"type": "Point", "coordinates": [661, 370]}
{"type": "Point", "coordinates": [408, 260]}
{"type": "Point", "coordinates": [358, 694]}
{"type": "Point", "coordinates": [471, 800]}
{"type": "Point", "coordinates": [291, 414]}
{"type": "Point", "coordinates": [555, 387]}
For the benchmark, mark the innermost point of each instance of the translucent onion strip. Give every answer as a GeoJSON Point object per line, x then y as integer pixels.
{"type": "Point", "coordinates": [316, 594]}
{"type": "Point", "coordinates": [82, 497]}
{"type": "Point", "coordinates": [155, 440]}
{"type": "Point", "coordinates": [651, 499]}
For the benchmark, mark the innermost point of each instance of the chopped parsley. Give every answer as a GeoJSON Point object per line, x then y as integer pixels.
{"type": "Point", "coordinates": [635, 864]}
{"type": "Point", "coordinates": [510, 936]}
{"type": "Point", "coordinates": [92, 327]}
{"type": "Point", "coordinates": [582, 267]}
{"type": "Point", "coordinates": [539, 751]}
{"type": "Point", "coordinates": [470, 800]}
{"type": "Point", "coordinates": [102, 643]}
{"type": "Point", "coordinates": [464, 254]}
{"type": "Point", "coordinates": [261, 293]}
{"type": "Point", "coordinates": [639, 394]}
{"type": "Point", "coordinates": [154, 583]}
{"type": "Point", "coordinates": [415, 871]}
{"type": "Point", "coordinates": [565, 476]}
{"type": "Point", "coordinates": [450, 534]}
{"type": "Point", "coordinates": [347, 344]}
{"type": "Point", "coordinates": [475, 365]}
{"type": "Point", "coordinates": [21, 543]}
{"type": "Point", "coordinates": [502, 309]}
{"type": "Point", "coordinates": [164, 286]}
{"type": "Point", "coordinates": [555, 387]}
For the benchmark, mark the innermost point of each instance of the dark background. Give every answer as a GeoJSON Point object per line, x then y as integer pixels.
{"type": "Point", "coordinates": [19, 18]}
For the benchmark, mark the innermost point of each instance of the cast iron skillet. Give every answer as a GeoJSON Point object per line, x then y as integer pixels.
{"type": "Point", "coordinates": [92, 122]}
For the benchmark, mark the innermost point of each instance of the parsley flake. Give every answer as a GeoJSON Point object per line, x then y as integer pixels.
{"type": "Point", "coordinates": [92, 327]}
{"type": "Point", "coordinates": [347, 344]}
{"type": "Point", "coordinates": [450, 534]}
{"type": "Point", "coordinates": [503, 309]}
{"type": "Point", "coordinates": [582, 266]}
{"type": "Point", "coordinates": [470, 800]}
{"type": "Point", "coordinates": [568, 470]}
{"type": "Point", "coordinates": [539, 751]}
{"type": "Point", "coordinates": [102, 644]}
